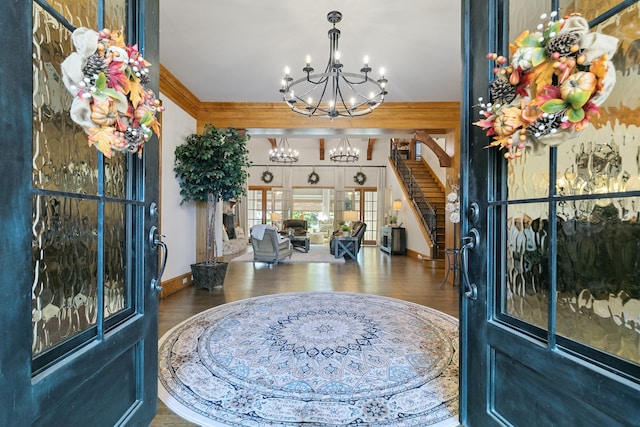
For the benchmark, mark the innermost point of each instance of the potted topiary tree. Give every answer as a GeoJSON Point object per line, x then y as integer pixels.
{"type": "Point", "coordinates": [211, 167]}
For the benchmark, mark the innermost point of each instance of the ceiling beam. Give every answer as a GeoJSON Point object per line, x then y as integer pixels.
{"type": "Point", "coordinates": [436, 117]}
{"type": "Point", "coordinates": [372, 141]}
{"type": "Point", "coordinates": [426, 139]}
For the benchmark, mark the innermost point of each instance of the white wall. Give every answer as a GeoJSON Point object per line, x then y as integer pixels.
{"type": "Point", "coordinates": [177, 222]}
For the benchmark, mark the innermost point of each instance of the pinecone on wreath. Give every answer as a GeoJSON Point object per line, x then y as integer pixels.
{"type": "Point", "coordinates": [501, 91]}
{"type": "Point", "coordinates": [545, 125]}
{"type": "Point", "coordinates": [95, 65]}
{"type": "Point", "coordinates": [563, 44]}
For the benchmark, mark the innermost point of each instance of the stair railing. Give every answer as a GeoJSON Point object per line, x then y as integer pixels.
{"type": "Point", "coordinates": [418, 199]}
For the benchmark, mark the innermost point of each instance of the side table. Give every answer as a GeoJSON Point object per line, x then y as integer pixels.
{"type": "Point", "coordinates": [346, 246]}
{"type": "Point", "coordinates": [453, 265]}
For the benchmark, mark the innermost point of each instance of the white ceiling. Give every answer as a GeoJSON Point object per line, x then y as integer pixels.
{"type": "Point", "coordinates": [236, 50]}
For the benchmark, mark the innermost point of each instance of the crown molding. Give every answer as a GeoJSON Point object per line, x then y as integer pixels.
{"type": "Point", "coordinates": [173, 89]}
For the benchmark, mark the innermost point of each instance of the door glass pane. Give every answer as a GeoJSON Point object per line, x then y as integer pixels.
{"type": "Point", "coordinates": [599, 239]}
{"type": "Point", "coordinates": [526, 283]}
{"type": "Point", "coordinates": [78, 13]}
{"type": "Point", "coordinates": [61, 158]}
{"type": "Point", "coordinates": [371, 216]}
{"type": "Point", "coordinates": [115, 14]}
{"type": "Point", "coordinates": [254, 207]}
{"type": "Point", "coordinates": [598, 277]}
{"type": "Point", "coordinates": [66, 269]}
{"type": "Point", "coordinates": [64, 291]}
{"type": "Point", "coordinates": [117, 290]}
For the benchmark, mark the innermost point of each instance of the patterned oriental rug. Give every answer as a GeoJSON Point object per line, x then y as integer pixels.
{"type": "Point", "coordinates": [313, 358]}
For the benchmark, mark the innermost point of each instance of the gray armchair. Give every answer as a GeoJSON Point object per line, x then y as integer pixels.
{"type": "Point", "coordinates": [268, 245]}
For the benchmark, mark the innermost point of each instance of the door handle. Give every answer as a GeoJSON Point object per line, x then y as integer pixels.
{"type": "Point", "coordinates": [155, 242]}
{"type": "Point", "coordinates": [470, 242]}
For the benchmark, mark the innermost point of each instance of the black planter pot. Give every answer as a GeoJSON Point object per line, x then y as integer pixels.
{"type": "Point", "coordinates": [209, 275]}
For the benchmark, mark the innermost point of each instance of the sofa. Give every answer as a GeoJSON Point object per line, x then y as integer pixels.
{"type": "Point", "coordinates": [233, 246]}
{"type": "Point", "coordinates": [298, 226]}
{"type": "Point", "coordinates": [357, 231]}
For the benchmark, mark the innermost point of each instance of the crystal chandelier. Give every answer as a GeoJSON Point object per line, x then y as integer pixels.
{"type": "Point", "coordinates": [283, 153]}
{"type": "Point", "coordinates": [344, 153]}
{"type": "Point", "coordinates": [347, 94]}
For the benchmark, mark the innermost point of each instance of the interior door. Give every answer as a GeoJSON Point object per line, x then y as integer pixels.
{"type": "Point", "coordinates": [79, 327]}
{"type": "Point", "coordinates": [551, 244]}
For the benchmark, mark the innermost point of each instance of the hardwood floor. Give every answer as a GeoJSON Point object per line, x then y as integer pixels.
{"type": "Point", "coordinates": [373, 273]}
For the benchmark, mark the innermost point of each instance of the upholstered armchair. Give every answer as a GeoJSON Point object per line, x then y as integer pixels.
{"type": "Point", "coordinates": [268, 245]}
{"type": "Point", "coordinates": [297, 226]}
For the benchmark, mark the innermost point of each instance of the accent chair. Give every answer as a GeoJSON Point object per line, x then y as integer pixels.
{"type": "Point", "coordinates": [268, 245]}
{"type": "Point", "coordinates": [297, 226]}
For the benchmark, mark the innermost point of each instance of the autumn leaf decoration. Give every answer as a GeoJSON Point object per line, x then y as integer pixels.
{"type": "Point", "coordinates": [107, 78]}
{"type": "Point", "coordinates": [549, 87]}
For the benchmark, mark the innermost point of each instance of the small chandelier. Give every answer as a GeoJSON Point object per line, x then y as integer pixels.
{"type": "Point", "coordinates": [344, 153]}
{"type": "Point", "coordinates": [283, 153]}
{"type": "Point", "coordinates": [347, 94]}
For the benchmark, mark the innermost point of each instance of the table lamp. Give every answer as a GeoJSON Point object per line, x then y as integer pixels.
{"type": "Point", "coordinates": [397, 205]}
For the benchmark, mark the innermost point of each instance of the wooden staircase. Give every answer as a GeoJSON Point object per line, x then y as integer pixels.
{"type": "Point", "coordinates": [434, 193]}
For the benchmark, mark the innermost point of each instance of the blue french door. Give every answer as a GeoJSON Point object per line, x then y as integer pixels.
{"type": "Point", "coordinates": [550, 297]}
{"type": "Point", "coordinates": [79, 251]}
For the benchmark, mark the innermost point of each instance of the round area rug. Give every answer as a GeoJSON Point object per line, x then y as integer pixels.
{"type": "Point", "coordinates": [313, 358]}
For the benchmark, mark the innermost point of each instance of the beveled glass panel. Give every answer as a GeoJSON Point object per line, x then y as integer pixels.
{"type": "Point", "coordinates": [80, 13]}
{"type": "Point", "coordinates": [599, 279]}
{"type": "Point", "coordinates": [115, 174]}
{"type": "Point", "coordinates": [526, 283]}
{"type": "Point", "coordinates": [117, 292]}
{"type": "Point", "coordinates": [62, 160]}
{"type": "Point", "coordinates": [599, 239]}
{"type": "Point", "coordinates": [115, 14]}
{"type": "Point", "coordinates": [64, 291]}
{"type": "Point", "coordinates": [528, 176]}
{"type": "Point", "coordinates": [116, 167]}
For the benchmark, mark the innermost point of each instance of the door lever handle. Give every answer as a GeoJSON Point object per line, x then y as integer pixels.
{"type": "Point", "coordinates": [154, 240]}
{"type": "Point", "coordinates": [470, 242]}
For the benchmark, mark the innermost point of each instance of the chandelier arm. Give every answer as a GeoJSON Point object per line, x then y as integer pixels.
{"type": "Point", "coordinates": [311, 108]}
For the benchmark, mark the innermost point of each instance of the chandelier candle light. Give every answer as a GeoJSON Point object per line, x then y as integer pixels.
{"type": "Point", "coordinates": [347, 94]}
{"type": "Point", "coordinates": [283, 153]}
{"type": "Point", "coordinates": [344, 153]}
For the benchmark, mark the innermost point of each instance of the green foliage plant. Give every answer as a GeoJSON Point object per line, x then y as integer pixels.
{"type": "Point", "coordinates": [210, 167]}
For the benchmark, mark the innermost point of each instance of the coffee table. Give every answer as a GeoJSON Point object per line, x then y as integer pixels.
{"type": "Point", "coordinates": [300, 243]}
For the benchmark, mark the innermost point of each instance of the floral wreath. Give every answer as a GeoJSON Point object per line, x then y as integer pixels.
{"type": "Point", "coordinates": [360, 178]}
{"type": "Point", "coordinates": [313, 178]}
{"type": "Point", "coordinates": [266, 177]}
{"type": "Point", "coordinates": [550, 87]}
{"type": "Point", "coordinates": [111, 103]}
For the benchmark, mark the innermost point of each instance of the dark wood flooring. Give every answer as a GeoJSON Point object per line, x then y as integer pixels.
{"type": "Point", "coordinates": [373, 273]}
